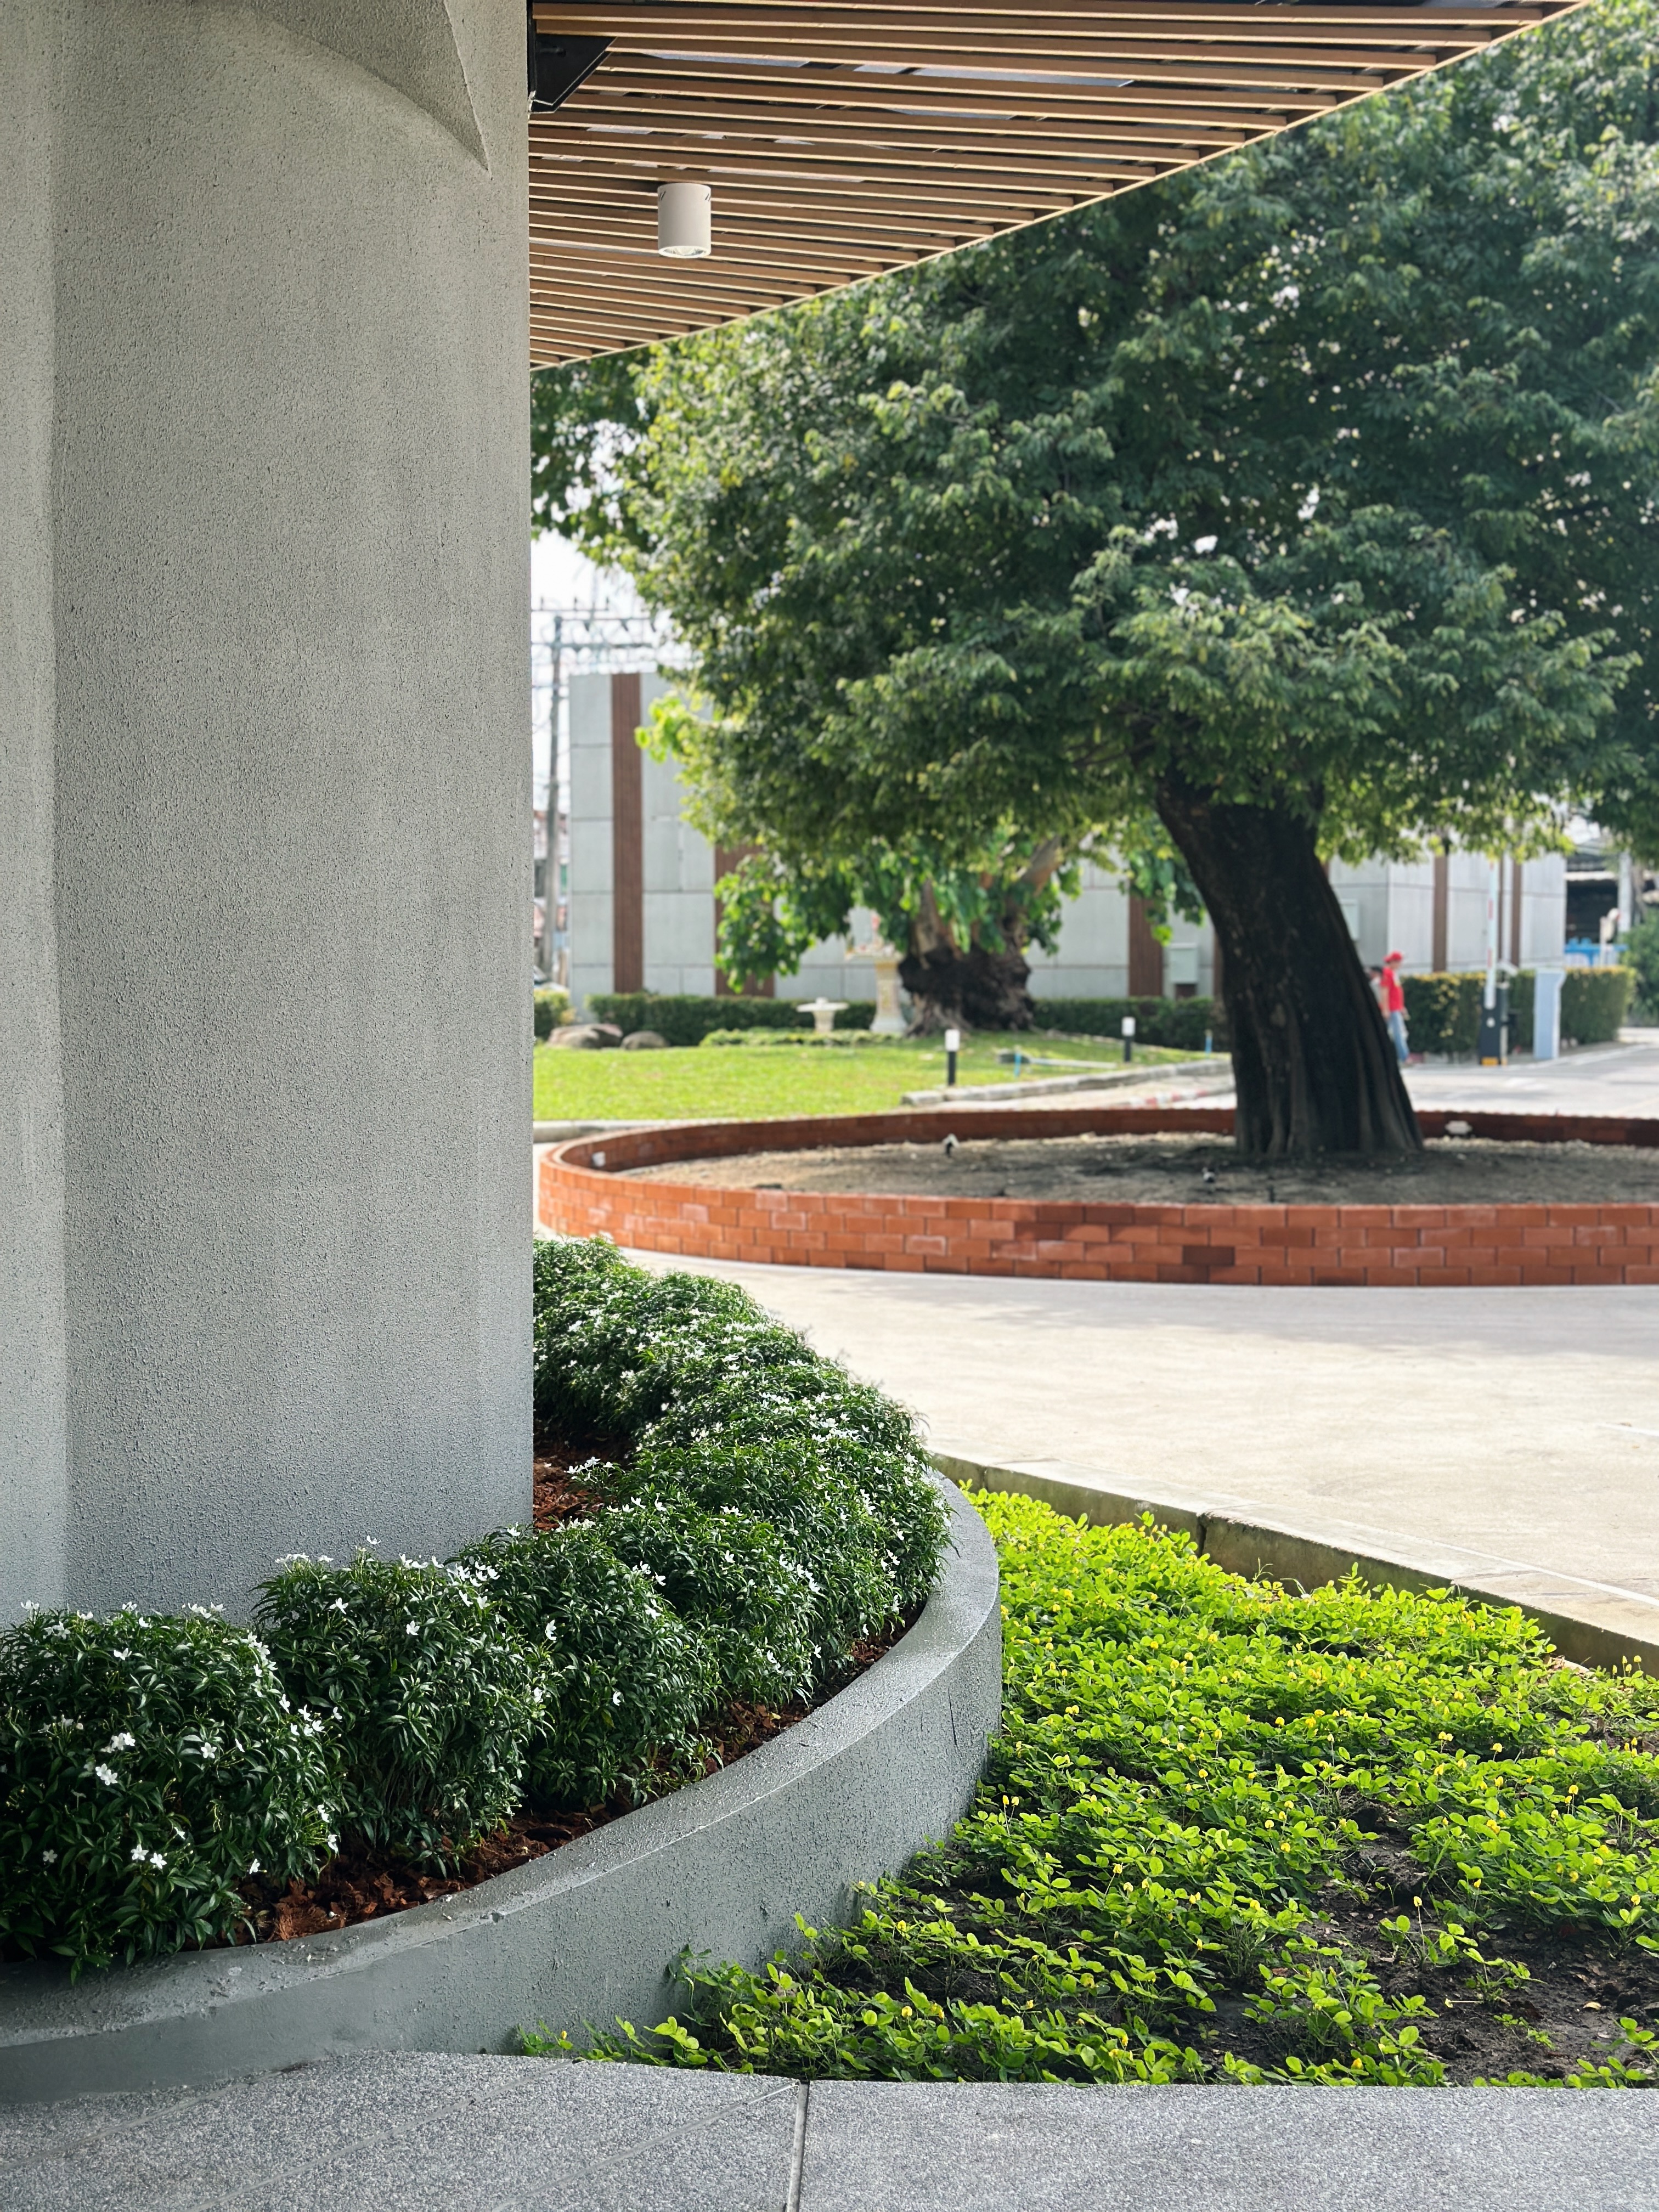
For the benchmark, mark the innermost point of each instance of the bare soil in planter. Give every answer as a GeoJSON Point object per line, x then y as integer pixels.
{"type": "Point", "coordinates": [352, 1888]}
{"type": "Point", "coordinates": [1176, 1170]}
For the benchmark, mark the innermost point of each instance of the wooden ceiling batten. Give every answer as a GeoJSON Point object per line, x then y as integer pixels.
{"type": "Point", "coordinates": [846, 139]}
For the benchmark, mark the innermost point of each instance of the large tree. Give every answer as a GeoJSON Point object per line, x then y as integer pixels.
{"type": "Point", "coordinates": [1303, 505]}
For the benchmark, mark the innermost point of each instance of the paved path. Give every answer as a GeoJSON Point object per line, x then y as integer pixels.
{"type": "Point", "coordinates": [421, 2133]}
{"type": "Point", "coordinates": [1519, 1428]}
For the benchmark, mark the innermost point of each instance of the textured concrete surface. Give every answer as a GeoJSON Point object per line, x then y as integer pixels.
{"type": "Point", "coordinates": [413, 2134]}
{"type": "Point", "coordinates": [33, 1412]}
{"type": "Point", "coordinates": [1518, 1427]}
{"type": "Point", "coordinates": [1603, 1078]}
{"type": "Point", "coordinates": [497, 2135]}
{"type": "Point", "coordinates": [591, 1932]}
{"type": "Point", "coordinates": [890, 2147]}
{"type": "Point", "coordinates": [274, 781]}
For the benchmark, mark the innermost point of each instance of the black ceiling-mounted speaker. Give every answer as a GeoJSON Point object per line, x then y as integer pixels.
{"type": "Point", "coordinates": [557, 65]}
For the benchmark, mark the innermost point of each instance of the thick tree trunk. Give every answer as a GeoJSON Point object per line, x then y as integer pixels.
{"type": "Point", "coordinates": [1312, 1063]}
{"type": "Point", "coordinates": [973, 990]}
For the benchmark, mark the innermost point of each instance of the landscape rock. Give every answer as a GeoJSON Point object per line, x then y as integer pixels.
{"type": "Point", "coordinates": [588, 1037]}
{"type": "Point", "coordinates": [645, 1041]}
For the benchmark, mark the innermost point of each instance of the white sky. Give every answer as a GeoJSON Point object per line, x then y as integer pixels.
{"type": "Point", "coordinates": [561, 577]}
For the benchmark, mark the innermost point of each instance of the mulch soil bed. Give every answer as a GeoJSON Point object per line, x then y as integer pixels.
{"type": "Point", "coordinates": [352, 1888]}
{"type": "Point", "coordinates": [1177, 1169]}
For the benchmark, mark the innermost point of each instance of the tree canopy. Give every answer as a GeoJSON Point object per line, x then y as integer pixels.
{"type": "Point", "coordinates": [1299, 505]}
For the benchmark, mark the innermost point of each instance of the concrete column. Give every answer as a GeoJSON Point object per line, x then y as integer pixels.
{"type": "Point", "coordinates": [264, 1012]}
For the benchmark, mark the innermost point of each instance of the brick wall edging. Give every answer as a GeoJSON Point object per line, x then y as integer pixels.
{"type": "Point", "coordinates": [1347, 1246]}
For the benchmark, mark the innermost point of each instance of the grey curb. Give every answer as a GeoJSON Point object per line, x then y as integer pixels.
{"type": "Point", "coordinates": [592, 1932]}
{"type": "Point", "coordinates": [1225, 1531]}
{"type": "Point", "coordinates": [414, 2132]}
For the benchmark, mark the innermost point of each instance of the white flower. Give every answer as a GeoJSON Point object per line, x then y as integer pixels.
{"type": "Point", "coordinates": [157, 1861]}
{"type": "Point", "coordinates": [334, 1841]}
{"type": "Point", "coordinates": [140, 1856]}
{"type": "Point", "coordinates": [120, 1655]}
{"type": "Point", "coordinates": [616, 1697]}
{"type": "Point", "coordinates": [338, 1606]}
{"type": "Point", "coordinates": [51, 1858]}
{"type": "Point", "coordinates": [123, 1742]}
{"type": "Point", "coordinates": [412, 1628]}
{"type": "Point", "coordinates": [253, 1866]}
{"type": "Point", "coordinates": [106, 1774]}
{"type": "Point", "coordinates": [1204, 544]}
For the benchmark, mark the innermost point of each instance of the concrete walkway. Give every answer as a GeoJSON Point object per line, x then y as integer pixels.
{"type": "Point", "coordinates": [1506, 1436]}
{"type": "Point", "coordinates": [1509, 1437]}
{"type": "Point", "coordinates": [420, 2133]}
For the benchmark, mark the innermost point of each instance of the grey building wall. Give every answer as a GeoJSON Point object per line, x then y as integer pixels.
{"type": "Point", "coordinates": [33, 1414]}
{"type": "Point", "coordinates": [284, 303]}
{"type": "Point", "coordinates": [1389, 904]}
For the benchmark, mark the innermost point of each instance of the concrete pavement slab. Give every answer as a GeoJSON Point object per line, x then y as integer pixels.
{"type": "Point", "coordinates": [413, 2132]}
{"type": "Point", "coordinates": [1517, 1427]}
{"type": "Point", "coordinates": [996, 2147]}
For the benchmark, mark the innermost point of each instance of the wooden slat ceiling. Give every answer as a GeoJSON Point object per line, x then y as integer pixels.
{"type": "Point", "coordinates": [844, 140]}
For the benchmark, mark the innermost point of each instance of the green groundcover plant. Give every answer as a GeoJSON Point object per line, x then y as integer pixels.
{"type": "Point", "coordinates": [148, 1764]}
{"type": "Point", "coordinates": [1232, 1831]}
{"type": "Point", "coordinates": [756, 1514]}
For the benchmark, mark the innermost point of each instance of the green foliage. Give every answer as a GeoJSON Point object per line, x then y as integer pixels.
{"type": "Point", "coordinates": [1180, 1023]}
{"type": "Point", "coordinates": [1443, 1012]}
{"type": "Point", "coordinates": [625, 1679]}
{"type": "Point", "coordinates": [734, 1579]}
{"type": "Point", "coordinates": [148, 1764]}
{"type": "Point", "coordinates": [1641, 951]}
{"type": "Point", "coordinates": [552, 1006]}
{"type": "Point", "coordinates": [1192, 1769]}
{"type": "Point", "coordinates": [1321, 477]}
{"type": "Point", "coordinates": [775, 1513]}
{"type": "Point", "coordinates": [798, 1040]}
{"type": "Point", "coordinates": [1594, 1002]}
{"type": "Point", "coordinates": [430, 1697]}
{"type": "Point", "coordinates": [725, 1410]}
{"type": "Point", "coordinates": [685, 1019]}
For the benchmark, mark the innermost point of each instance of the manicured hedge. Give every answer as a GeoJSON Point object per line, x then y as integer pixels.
{"type": "Point", "coordinates": [1180, 1023]}
{"type": "Point", "coordinates": [759, 1516]}
{"type": "Point", "coordinates": [1594, 1002]}
{"type": "Point", "coordinates": [1234, 1831]}
{"type": "Point", "coordinates": [1443, 1012]}
{"type": "Point", "coordinates": [551, 1004]}
{"type": "Point", "coordinates": [683, 1018]}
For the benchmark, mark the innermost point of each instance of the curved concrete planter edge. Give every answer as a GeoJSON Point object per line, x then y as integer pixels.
{"type": "Point", "coordinates": [588, 1934]}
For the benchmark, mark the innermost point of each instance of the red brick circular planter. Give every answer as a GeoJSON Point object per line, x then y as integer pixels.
{"type": "Point", "coordinates": [1348, 1245]}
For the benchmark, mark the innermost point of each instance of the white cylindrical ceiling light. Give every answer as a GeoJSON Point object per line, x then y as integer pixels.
{"type": "Point", "coordinates": [684, 221]}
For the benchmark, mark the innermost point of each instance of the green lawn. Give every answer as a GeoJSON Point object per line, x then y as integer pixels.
{"type": "Point", "coordinates": [740, 1081]}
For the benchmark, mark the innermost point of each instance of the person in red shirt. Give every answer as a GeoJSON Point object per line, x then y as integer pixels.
{"type": "Point", "coordinates": [1393, 995]}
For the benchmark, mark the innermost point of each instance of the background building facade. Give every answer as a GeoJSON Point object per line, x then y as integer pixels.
{"type": "Point", "coordinates": [643, 914]}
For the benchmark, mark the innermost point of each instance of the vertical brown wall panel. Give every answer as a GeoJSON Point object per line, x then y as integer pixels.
{"type": "Point", "coordinates": [1442, 911]}
{"type": "Point", "coordinates": [1145, 955]}
{"type": "Point", "coordinates": [727, 857]}
{"type": "Point", "coordinates": [627, 839]}
{"type": "Point", "coordinates": [1515, 914]}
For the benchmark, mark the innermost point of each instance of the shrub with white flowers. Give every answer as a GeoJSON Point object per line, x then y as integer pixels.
{"type": "Point", "coordinates": [724, 1409]}
{"type": "Point", "coordinates": [148, 1764]}
{"type": "Point", "coordinates": [733, 1577]}
{"type": "Point", "coordinates": [430, 1698]}
{"type": "Point", "coordinates": [625, 1677]}
{"type": "Point", "coordinates": [760, 1514]}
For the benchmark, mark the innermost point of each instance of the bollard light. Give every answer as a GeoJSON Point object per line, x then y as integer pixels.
{"type": "Point", "coordinates": [1128, 1037]}
{"type": "Point", "coordinates": [685, 220]}
{"type": "Point", "coordinates": [952, 1047]}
